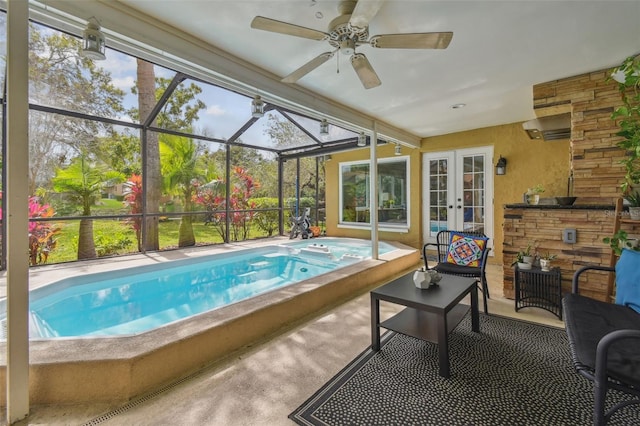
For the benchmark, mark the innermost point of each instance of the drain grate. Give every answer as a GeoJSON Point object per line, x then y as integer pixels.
{"type": "Point", "coordinates": [137, 401]}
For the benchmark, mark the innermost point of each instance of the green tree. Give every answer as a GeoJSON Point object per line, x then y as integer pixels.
{"type": "Point", "coordinates": [60, 77]}
{"type": "Point", "coordinates": [179, 159]}
{"type": "Point", "coordinates": [145, 87]}
{"type": "Point", "coordinates": [261, 167]}
{"type": "Point", "coordinates": [178, 113]}
{"type": "Point", "coordinates": [285, 134]}
{"type": "Point", "coordinates": [83, 181]}
{"type": "Point", "coordinates": [210, 166]}
{"type": "Point", "coordinates": [121, 151]}
{"type": "Point", "coordinates": [182, 107]}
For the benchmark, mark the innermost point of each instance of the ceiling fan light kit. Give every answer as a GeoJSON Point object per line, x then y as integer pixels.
{"type": "Point", "coordinates": [349, 30]}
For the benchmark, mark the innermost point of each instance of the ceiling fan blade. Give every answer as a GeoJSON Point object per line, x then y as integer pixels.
{"type": "Point", "coordinates": [412, 41]}
{"type": "Point", "coordinates": [365, 71]}
{"type": "Point", "coordinates": [308, 67]}
{"type": "Point", "coordinates": [363, 13]}
{"type": "Point", "coordinates": [267, 24]}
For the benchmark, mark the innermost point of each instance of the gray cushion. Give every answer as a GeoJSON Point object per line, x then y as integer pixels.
{"type": "Point", "coordinates": [587, 321]}
{"type": "Point", "coordinates": [453, 269]}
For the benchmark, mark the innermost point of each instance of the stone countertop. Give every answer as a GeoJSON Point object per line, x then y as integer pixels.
{"type": "Point", "coordinates": [559, 207]}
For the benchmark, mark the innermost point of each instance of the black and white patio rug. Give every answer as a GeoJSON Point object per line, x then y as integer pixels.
{"type": "Point", "coordinates": [512, 373]}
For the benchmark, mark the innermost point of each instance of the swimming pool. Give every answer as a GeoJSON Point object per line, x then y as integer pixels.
{"type": "Point", "coordinates": [139, 299]}
{"type": "Point", "coordinates": [116, 368]}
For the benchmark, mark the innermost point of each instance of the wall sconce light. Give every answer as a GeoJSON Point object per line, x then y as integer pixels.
{"type": "Point", "coordinates": [324, 128]}
{"type": "Point", "coordinates": [362, 139]}
{"type": "Point", "coordinates": [501, 166]}
{"type": "Point", "coordinates": [93, 43]}
{"type": "Point", "coordinates": [257, 107]}
{"type": "Point", "coordinates": [398, 149]}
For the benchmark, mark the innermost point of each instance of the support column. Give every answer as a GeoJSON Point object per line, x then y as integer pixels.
{"type": "Point", "coordinates": [373, 205]}
{"type": "Point", "coordinates": [17, 215]}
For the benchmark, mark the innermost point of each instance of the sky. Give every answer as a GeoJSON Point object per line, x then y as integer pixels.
{"type": "Point", "coordinates": [225, 111]}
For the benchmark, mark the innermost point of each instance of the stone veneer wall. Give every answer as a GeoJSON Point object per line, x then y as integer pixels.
{"type": "Point", "coordinates": [544, 226]}
{"type": "Point", "coordinates": [595, 156]}
{"type": "Point", "coordinates": [597, 174]}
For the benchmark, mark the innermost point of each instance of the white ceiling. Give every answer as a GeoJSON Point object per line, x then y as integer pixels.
{"type": "Point", "coordinates": [500, 49]}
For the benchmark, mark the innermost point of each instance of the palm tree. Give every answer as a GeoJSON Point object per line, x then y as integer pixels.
{"type": "Point", "coordinates": [146, 88]}
{"type": "Point", "coordinates": [83, 180]}
{"type": "Point", "coordinates": [179, 159]}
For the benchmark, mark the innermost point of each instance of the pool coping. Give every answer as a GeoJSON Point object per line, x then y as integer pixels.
{"type": "Point", "coordinates": [117, 368]}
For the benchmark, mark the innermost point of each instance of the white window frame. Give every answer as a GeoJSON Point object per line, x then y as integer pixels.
{"type": "Point", "coordinates": [383, 226]}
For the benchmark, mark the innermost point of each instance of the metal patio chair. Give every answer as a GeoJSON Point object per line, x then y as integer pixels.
{"type": "Point", "coordinates": [443, 239]}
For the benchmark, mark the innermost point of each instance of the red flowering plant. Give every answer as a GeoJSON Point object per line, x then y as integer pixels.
{"type": "Point", "coordinates": [41, 234]}
{"type": "Point", "coordinates": [211, 197]}
{"type": "Point", "coordinates": [241, 204]}
{"type": "Point", "coordinates": [133, 199]}
{"type": "Point", "coordinates": [241, 213]}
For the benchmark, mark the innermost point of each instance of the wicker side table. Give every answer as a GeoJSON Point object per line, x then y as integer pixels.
{"type": "Point", "coordinates": [539, 289]}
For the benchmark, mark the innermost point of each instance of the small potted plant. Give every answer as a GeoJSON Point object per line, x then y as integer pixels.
{"type": "Point", "coordinates": [533, 194]}
{"type": "Point", "coordinates": [545, 261]}
{"type": "Point", "coordinates": [520, 261]}
{"type": "Point", "coordinates": [528, 256]}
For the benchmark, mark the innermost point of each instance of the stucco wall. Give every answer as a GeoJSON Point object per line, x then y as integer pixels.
{"type": "Point", "coordinates": [529, 162]}
{"type": "Point", "coordinates": [411, 238]}
{"type": "Point", "coordinates": [591, 98]}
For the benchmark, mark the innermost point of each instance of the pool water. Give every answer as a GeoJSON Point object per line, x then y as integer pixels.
{"type": "Point", "coordinates": [139, 299]}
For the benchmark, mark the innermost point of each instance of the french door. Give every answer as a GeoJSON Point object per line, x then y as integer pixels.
{"type": "Point", "coordinates": [458, 191]}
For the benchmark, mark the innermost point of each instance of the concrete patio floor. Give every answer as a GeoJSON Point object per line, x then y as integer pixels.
{"type": "Point", "coordinates": [263, 384]}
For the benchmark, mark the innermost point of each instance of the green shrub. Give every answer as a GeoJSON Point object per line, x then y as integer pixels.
{"type": "Point", "coordinates": [267, 221]}
{"type": "Point", "coordinates": [114, 242]}
{"type": "Point", "coordinates": [304, 202]}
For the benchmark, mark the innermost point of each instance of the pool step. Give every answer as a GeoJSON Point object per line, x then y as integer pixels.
{"type": "Point", "coordinates": [247, 276]}
{"type": "Point", "coordinates": [317, 253]}
{"type": "Point", "coordinates": [38, 328]}
{"type": "Point", "coordinates": [268, 255]}
{"type": "Point", "coordinates": [260, 264]}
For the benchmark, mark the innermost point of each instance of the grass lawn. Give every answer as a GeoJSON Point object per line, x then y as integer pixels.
{"type": "Point", "coordinates": [117, 237]}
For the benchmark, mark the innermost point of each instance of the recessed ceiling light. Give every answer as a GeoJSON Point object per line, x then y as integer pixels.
{"type": "Point", "coordinates": [458, 106]}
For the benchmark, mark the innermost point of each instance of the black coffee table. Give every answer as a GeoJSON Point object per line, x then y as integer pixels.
{"type": "Point", "coordinates": [431, 314]}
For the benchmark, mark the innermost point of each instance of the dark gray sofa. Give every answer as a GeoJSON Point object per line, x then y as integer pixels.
{"type": "Point", "coordinates": [604, 340]}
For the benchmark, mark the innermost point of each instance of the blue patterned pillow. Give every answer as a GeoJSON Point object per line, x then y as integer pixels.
{"type": "Point", "coordinates": [465, 249]}
{"type": "Point", "coordinates": [628, 279]}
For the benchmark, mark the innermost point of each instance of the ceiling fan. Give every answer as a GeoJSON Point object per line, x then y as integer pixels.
{"type": "Point", "coordinates": [348, 31]}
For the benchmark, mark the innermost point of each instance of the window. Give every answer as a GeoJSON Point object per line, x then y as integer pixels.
{"type": "Point", "coordinates": [211, 172]}
{"type": "Point", "coordinates": [392, 199]}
